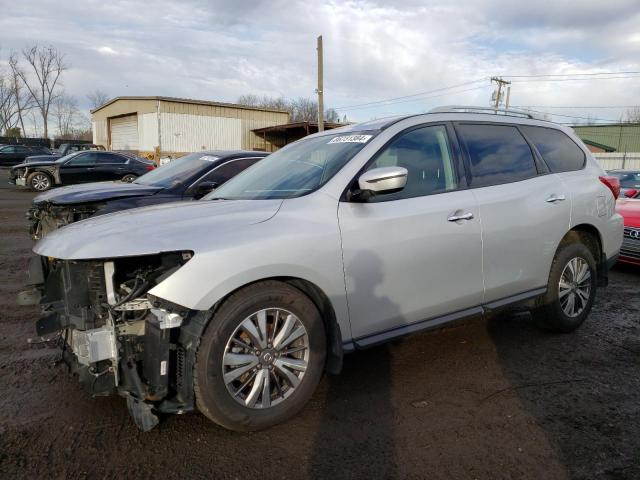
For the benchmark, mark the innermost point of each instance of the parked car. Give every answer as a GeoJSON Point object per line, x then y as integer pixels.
{"type": "Point", "coordinates": [237, 303]}
{"type": "Point", "coordinates": [187, 178]}
{"type": "Point", "coordinates": [79, 167]}
{"type": "Point", "coordinates": [64, 150]}
{"type": "Point", "coordinates": [629, 182]}
{"type": "Point", "coordinates": [630, 210]}
{"type": "Point", "coordinates": [14, 154]}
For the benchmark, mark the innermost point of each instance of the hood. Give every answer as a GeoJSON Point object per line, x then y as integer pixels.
{"type": "Point", "coordinates": [42, 158]}
{"type": "Point", "coordinates": [629, 208]}
{"type": "Point", "coordinates": [38, 163]}
{"type": "Point", "coordinates": [159, 228]}
{"type": "Point", "coordinates": [95, 192]}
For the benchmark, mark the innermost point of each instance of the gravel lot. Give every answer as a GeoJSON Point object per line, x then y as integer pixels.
{"type": "Point", "coordinates": [487, 398]}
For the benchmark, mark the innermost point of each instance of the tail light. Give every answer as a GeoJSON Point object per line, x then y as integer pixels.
{"type": "Point", "coordinates": [151, 167]}
{"type": "Point", "coordinates": [631, 193]}
{"type": "Point", "coordinates": [613, 184]}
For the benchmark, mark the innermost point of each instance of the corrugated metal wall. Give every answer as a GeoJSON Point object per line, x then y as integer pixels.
{"type": "Point", "coordinates": [615, 160]}
{"type": "Point", "coordinates": [183, 125]}
{"type": "Point", "coordinates": [100, 132]}
{"type": "Point", "coordinates": [624, 137]}
{"type": "Point", "coordinates": [190, 133]}
{"type": "Point", "coordinates": [250, 119]}
{"type": "Point", "coordinates": [148, 131]}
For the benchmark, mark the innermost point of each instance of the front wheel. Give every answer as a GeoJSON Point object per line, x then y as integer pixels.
{"type": "Point", "coordinates": [39, 182]}
{"type": "Point", "coordinates": [260, 358]}
{"type": "Point", "coordinates": [571, 290]}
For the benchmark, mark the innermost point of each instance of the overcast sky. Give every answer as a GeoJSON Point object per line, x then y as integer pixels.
{"type": "Point", "coordinates": [374, 50]}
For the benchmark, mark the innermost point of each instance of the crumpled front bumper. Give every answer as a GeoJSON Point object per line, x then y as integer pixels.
{"type": "Point", "coordinates": [148, 360]}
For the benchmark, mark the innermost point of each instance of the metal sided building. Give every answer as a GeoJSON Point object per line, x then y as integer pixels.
{"type": "Point", "coordinates": [177, 126]}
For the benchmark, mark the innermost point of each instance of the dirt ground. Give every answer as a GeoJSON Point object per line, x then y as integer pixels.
{"type": "Point", "coordinates": [486, 399]}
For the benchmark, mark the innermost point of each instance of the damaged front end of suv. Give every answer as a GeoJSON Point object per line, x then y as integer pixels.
{"type": "Point", "coordinates": [116, 337]}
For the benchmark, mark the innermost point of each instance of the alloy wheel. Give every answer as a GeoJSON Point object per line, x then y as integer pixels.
{"type": "Point", "coordinates": [266, 358]}
{"type": "Point", "coordinates": [40, 182]}
{"type": "Point", "coordinates": [574, 288]}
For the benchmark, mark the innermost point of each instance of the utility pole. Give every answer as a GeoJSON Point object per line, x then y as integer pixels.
{"type": "Point", "coordinates": [500, 83]}
{"type": "Point", "coordinates": [319, 89]}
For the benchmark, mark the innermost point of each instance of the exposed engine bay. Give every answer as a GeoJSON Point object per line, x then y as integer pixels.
{"type": "Point", "coordinates": [45, 217]}
{"type": "Point", "coordinates": [114, 336]}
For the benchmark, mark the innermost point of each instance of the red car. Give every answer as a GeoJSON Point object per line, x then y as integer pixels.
{"type": "Point", "coordinates": [629, 208]}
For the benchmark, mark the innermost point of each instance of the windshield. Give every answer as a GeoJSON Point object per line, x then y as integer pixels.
{"type": "Point", "coordinates": [297, 169]}
{"type": "Point", "coordinates": [177, 171]}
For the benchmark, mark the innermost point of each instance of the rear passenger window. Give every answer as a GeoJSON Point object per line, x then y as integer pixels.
{"type": "Point", "coordinates": [498, 154]}
{"type": "Point", "coordinates": [559, 152]}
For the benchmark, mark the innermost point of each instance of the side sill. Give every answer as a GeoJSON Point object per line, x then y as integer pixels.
{"type": "Point", "coordinates": [503, 302]}
{"type": "Point", "coordinates": [385, 336]}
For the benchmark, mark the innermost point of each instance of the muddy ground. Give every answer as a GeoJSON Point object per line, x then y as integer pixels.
{"type": "Point", "coordinates": [487, 399]}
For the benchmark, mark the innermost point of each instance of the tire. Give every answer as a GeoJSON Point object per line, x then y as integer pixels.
{"type": "Point", "coordinates": [39, 181]}
{"type": "Point", "coordinates": [553, 311]}
{"type": "Point", "coordinates": [129, 178]}
{"type": "Point", "coordinates": [217, 354]}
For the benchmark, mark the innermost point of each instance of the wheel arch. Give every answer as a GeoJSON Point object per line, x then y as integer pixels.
{"type": "Point", "coordinates": [591, 237]}
{"type": "Point", "coordinates": [335, 350]}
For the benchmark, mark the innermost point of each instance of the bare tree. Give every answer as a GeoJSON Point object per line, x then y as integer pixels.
{"type": "Point", "coordinates": [8, 113]}
{"type": "Point", "coordinates": [304, 110]}
{"type": "Point", "coordinates": [23, 100]}
{"type": "Point", "coordinates": [301, 109]}
{"type": "Point", "coordinates": [71, 123]}
{"type": "Point", "coordinates": [65, 110]}
{"type": "Point", "coordinates": [47, 64]}
{"type": "Point", "coordinates": [633, 115]}
{"type": "Point", "coordinates": [330, 115]}
{"type": "Point", "coordinates": [97, 98]}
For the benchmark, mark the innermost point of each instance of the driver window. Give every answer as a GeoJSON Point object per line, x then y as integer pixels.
{"type": "Point", "coordinates": [82, 160]}
{"type": "Point", "coordinates": [426, 154]}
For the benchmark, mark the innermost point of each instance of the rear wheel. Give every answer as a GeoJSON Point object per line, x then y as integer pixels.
{"type": "Point", "coordinates": [129, 178]}
{"type": "Point", "coordinates": [571, 290]}
{"type": "Point", "coordinates": [260, 358]}
{"type": "Point", "coordinates": [39, 181]}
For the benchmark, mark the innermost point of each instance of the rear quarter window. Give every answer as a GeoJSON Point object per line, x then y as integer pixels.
{"type": "Point", "coordinates": [559, 152]}
{"type": "Point", "coordinates": [497, 154]}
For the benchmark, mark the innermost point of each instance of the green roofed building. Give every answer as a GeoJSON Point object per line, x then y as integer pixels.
{"type": "Point", "coordinates": [619, 137]}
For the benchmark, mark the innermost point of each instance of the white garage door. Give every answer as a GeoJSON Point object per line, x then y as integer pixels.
{"type": "Point", "coordinates": [124, 133]}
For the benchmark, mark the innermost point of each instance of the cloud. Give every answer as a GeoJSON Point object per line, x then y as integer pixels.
{"type": "Point", "coordinates": [106, 50]}
{"type": "Point", "coordinates": [373, 49]}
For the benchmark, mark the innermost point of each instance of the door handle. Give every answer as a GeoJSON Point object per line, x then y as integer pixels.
{"type": "Point", "coordinates": [464, 216]}
{"type": "Point", "coordinates": [556, 198]}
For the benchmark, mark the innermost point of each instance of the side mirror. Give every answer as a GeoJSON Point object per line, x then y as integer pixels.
{"type": "Point", "coordinates": [630, 193]}
{"type": "Point", "coordinates": [203, 188]}
{"type": "Point", "coordinates": [381, 180]}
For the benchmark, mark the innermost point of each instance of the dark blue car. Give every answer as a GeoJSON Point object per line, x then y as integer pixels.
{"type": "Point", "coordinates": [187, 178]}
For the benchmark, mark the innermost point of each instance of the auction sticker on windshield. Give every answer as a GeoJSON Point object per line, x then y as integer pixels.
{"type": "Point", "coordinates": [351, 139]}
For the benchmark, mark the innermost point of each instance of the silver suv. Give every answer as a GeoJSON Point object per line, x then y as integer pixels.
{"type": "Point", "coordinates": [236, 304]}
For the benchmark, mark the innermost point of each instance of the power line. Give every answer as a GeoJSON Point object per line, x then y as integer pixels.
{"type": "Point", "coordinates": [570, 116]}
{"type": "Point", "coordinates": [576, 106]}
{"type": "Point", "coordinates": [569, 74]}
{"type": "Point", "coordinates": [421, 98]}
{"type": "Point", "coordinates": [552, 77]}
{"type": "Point", "coordinates": [393, 100]}
{"type": "Point", "coordinates": [572, 79]}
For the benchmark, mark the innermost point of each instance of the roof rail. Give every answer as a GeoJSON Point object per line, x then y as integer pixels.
{"type": "Point", "coordinates": [509, 112]}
